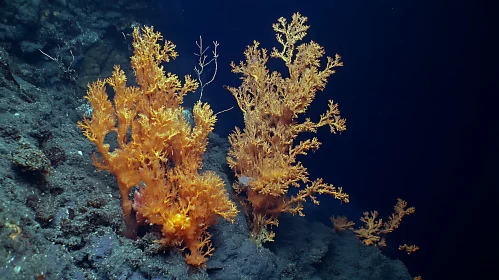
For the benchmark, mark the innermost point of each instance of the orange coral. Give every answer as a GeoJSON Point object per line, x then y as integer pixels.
{"type": "Point", "coordinates": [158, 150]}
{"type": "Point", "coordinates": [374, 230]}
{"type": "Point", "coordinates": [370, 232]}
{"type": "Point", "coordinates": [341, 223]}
{"type": "Point", "coordinates": [396, 218]}
{"type": "Point", "coordinates": [263, 155]}
{"type": "Point", "coordinates": [409, 248]}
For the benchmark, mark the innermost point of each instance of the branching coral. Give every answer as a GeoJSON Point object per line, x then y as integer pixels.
{"type": "Point", "coordinates": [264, 154]}
{"type": "Point", "coordinates": [341, 223]}
{"type": "Point", "coordinates": [409, 249]}
{"type": "Point", "coordinates": [158, 150]}
{"type": "Point", "coordinates": [374, 230]}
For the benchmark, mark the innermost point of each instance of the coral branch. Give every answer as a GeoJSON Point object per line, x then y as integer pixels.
{"type": "Point", "coordinates": [374, 230]}
{"type": "Point", "coordinates": [264, 154]}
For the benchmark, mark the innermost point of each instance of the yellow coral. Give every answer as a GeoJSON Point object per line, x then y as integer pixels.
{"type": "Point", "coordinates": [370, 232]}
{"type": "Point", "coordinates": [158, 149]}
{"type": "Point", "coordinates": [409, 248]}
{"type": "Point", "coordinates": [264, 155]}
{"type": "Point", "coordinates": [396, 218]}
{"type": "Point", "coordinates": [374, 230]}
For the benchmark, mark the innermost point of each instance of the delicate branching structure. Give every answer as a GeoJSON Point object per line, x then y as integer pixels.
{"type": "Point", "coordinates": [373, 231]}
{"type": "Point", "coordinates": [68, 72]}
{"type": "Point", "coordinates": [264, 154]}
{"type": "Point", "coordinates": [202, 63]}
